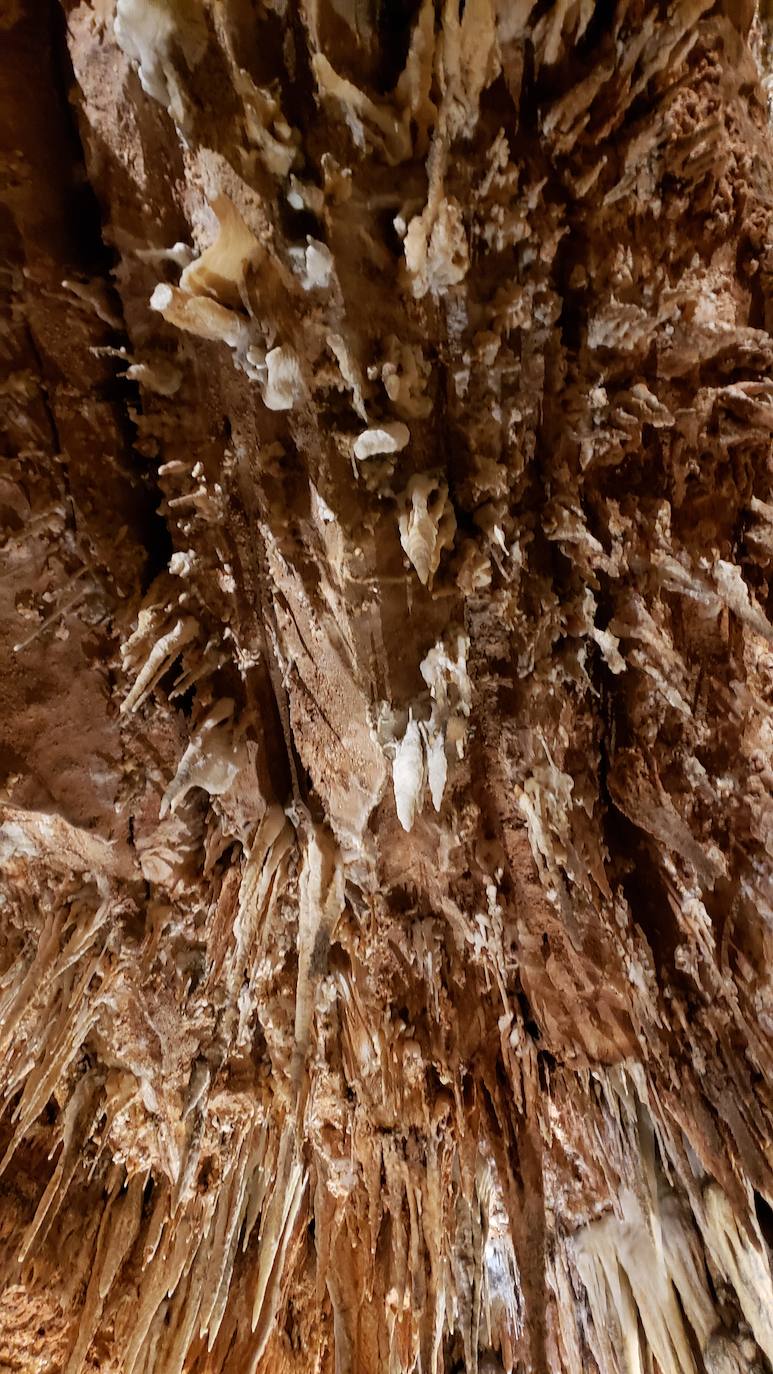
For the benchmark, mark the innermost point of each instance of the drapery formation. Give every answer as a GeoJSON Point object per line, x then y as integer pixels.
{"type": "Point", "coordinates": [387, 522]}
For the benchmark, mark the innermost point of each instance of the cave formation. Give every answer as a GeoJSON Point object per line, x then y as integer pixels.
{"type": "Point", "coordinates": [386, 741]}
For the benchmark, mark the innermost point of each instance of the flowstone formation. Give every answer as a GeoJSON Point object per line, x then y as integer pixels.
{"type": "Point", "coordinates": [386, 913]}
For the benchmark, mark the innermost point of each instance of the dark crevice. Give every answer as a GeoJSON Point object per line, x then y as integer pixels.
{"type": "Point", "coordinates": [158, 542]}
{"type": "Point", "coordinates": [764, 1213]}
{"type": "Point", "coordinates": [599, 27]}
{"type": "Point", "coordinates": [81, 213]}
{"type": "Point", "coordinates": [394, 23]}
{"type": "Point", "coordinates": [644, 889]}
{"type": "Point", "coordinates": [97, 261]}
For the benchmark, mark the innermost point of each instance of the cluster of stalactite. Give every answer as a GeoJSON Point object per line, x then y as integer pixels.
{"type": "Point", "coordinates": [386, 911]}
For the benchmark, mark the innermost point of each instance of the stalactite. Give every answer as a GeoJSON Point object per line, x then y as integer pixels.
{"type": "Point", "coordinates": [387, 691]}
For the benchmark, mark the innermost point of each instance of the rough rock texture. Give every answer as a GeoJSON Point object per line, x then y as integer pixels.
{"type": "Point", "coordinates": [386, 939]}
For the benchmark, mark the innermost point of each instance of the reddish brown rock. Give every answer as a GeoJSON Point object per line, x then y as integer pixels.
{"type": "Point", "coordinates": [386, 730]}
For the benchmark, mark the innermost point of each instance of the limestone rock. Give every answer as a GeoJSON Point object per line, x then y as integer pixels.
{"type": "Point", "coordinates": [386, 819]}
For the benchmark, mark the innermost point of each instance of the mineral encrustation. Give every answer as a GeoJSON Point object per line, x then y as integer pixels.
{"type": "Point", "coordinates": [386, 913]}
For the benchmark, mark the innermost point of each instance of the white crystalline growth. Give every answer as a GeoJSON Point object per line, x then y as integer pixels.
{"type": "Point", "coordinates": [427, 524]}
{"type": "Point", "coordinates": [284, 383]}
{"type": "Point", "coordinates": [409, 774]}
{"type": "Point", "coordinates": [437, 767]}
{"type": "Point", "coordinates": [211, 761]}
{"type": "Point", "coordinates": [420, 760]}
{"type": "Point", "coordinates": [387, 438]}
{"type": "Point", "coordinates": [149, 31]}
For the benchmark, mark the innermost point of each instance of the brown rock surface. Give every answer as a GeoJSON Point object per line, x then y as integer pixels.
{"type": "Point", "coordinates": [386, 913]}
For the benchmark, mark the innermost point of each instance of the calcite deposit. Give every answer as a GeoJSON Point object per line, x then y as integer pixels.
{"type": "Point", "coordinates": [386, 912]}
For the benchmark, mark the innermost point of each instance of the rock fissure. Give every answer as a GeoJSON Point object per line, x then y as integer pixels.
{"type": "Point", "coordinates": [387, 708]}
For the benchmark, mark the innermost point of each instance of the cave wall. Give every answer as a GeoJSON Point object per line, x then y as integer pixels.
{"type": "Point", "coordinates": [387, 902]}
